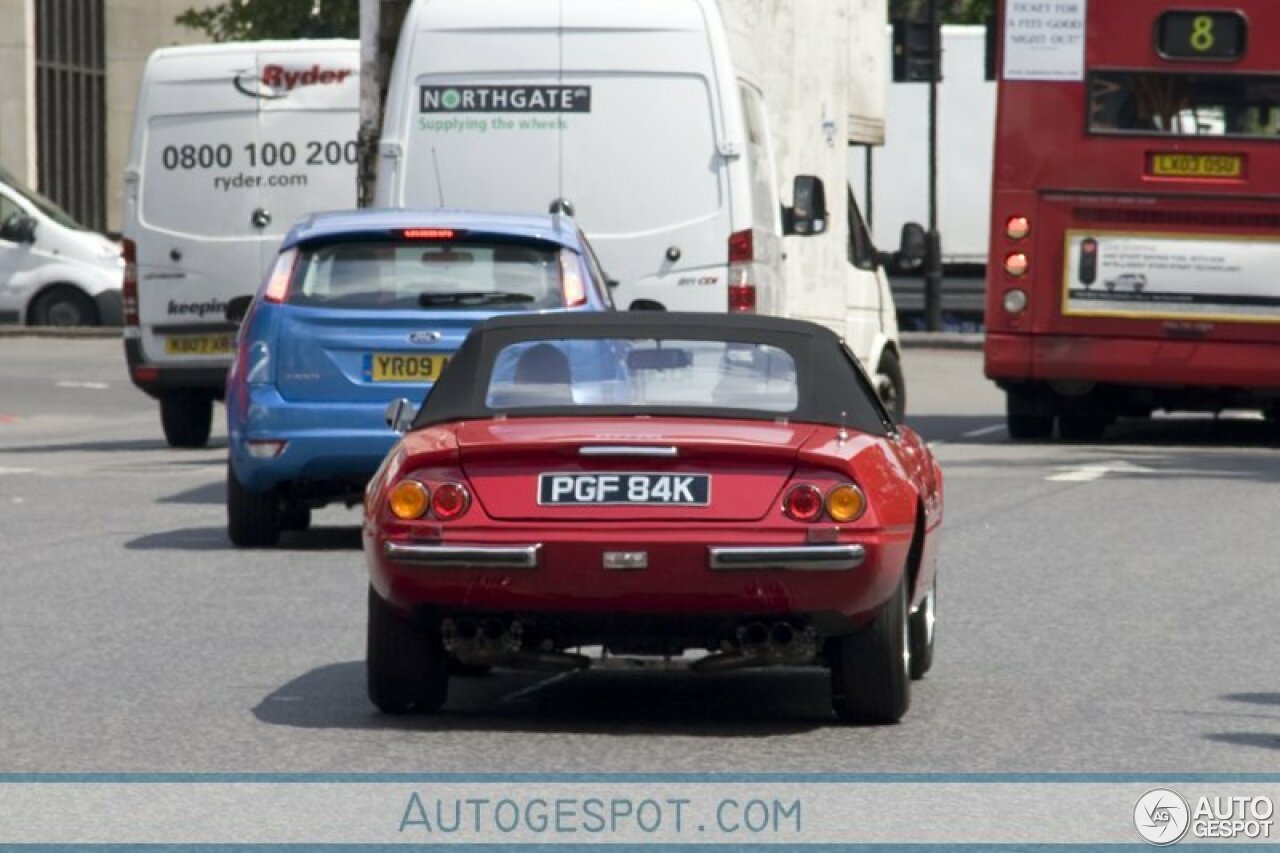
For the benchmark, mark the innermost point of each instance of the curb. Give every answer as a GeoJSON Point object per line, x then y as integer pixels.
{"type": "Point", "coordinates": [58, 332]}
{"type": "Point", "coordinates": [941, 340]}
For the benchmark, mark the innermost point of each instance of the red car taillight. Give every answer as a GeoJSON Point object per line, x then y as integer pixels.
{"type": "Point", "coordinates": [803, 503]}
{"type": "Point", "coordinates": [281, 276]}
{"type": "Point", "coordinates": [130, 288]}
{"type": "Point", "coordinates": [449, 501]}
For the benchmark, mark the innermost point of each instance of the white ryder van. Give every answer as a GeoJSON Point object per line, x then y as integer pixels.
{"type": "Point", "coordinates": [676, 130]}
{"type": "Point", "coordinates": [53, 270]}
{"type": "Point", "coordinates": [231, 145]}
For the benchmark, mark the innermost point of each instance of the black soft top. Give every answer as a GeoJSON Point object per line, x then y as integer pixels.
{"type": "Point", "coordinates": [832, 387]}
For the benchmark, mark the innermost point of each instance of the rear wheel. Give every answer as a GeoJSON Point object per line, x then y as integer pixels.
{"type": "Point", "coordinates": [187, 419]}
{"type": "Point", "coordinates": [1024, 421]}
{"type": "Point", "coordinates": [406, 664]}
{"type": "Point", "coordinates": [891, 385]}
{"type": "Point", "coordinates": [920, 627]}
{"type": "Point", "coordinates": [253, 518]}
{"type": "Point", "coordinates": [871, 670]}
{"type": "Point", "coordinates": [64, 306]}
{"type": "Point", "coordinates": [1082, 427]}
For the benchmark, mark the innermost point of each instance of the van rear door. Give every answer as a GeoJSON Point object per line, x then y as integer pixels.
{"type": "Point", "coordinates": [307, 123]}
{"type": "Point", "coordinates": [196, 197]}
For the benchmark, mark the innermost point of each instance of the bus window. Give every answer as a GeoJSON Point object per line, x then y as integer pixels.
{"type": "Point", "coordinates": [1181, 104]}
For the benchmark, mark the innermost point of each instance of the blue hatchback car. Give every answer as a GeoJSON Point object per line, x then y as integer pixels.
{"type": "Point", "coordinates": [362, 308]}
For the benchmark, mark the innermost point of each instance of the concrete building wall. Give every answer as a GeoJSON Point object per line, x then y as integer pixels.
{"type": "Point", "coordinates": [17, 89]}
{"type": "Point", "coordinates": [134, 29]}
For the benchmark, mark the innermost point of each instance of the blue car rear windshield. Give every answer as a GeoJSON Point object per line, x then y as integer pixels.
{"type": "Point", "coordinates": [449, 275]}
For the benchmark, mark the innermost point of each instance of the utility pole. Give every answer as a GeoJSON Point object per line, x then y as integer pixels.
{"type": "Point", "coordinates": [380, 22]}
{"type": "Point", "coordinates": [933, 253]}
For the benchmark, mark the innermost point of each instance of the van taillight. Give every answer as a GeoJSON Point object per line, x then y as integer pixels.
{"type": "Point", "coordinates": [130, 289]}
{"type": "Point", "coordinates": [742, 290]}
{"type": "Point", "coordinates": [742, 298]}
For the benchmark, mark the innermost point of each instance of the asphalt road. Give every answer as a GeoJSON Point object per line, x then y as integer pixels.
{"type": "Point", "coordinates": [1103, 608]}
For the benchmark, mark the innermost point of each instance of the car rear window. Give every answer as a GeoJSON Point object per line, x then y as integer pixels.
{"type": "Point", "coordinates": [447, 275]}
{"type": "Point", "coordinates": [643, 374]}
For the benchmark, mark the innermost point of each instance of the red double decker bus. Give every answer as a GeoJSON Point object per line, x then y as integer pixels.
{"type": "Point", "coordinates": [1135, 241]}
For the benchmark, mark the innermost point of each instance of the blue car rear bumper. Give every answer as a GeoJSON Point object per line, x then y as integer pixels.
{"type": "Point", "coordinates": [329, 446]}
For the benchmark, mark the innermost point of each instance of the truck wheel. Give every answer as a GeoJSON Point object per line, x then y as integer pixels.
{"type": "Point", "coordinates": [1082, 427]}
{"type": "Point", "coordinates": [406, 664]}
{"type": "Point", "coordinates": [64, 306]}
{"type": "Point", "coordinates": [871, 669]}
{"type": "Point", "coordinates": [920, 628]}
{"type": "Point", "coordinates": [1023, 420]}
{"type": "Point", "coordinates": [253, 518]}
{"type": "Point", "coordinates": [891, 385]}
{"type": "Point", "coordinates": [187, 419]}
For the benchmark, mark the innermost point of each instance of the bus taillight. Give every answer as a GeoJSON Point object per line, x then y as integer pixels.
{"type": "Point", "coordinates": [1017, 227]}
{"type": "Point", "coordinates": [1016, 264]}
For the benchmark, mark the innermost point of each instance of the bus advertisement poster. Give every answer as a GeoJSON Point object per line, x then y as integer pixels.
{"type": "Point", "coordinates": [1160, 275]}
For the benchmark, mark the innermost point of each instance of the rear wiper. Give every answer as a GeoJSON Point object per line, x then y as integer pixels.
{"type": "Point", "coordinates": [473, 297]}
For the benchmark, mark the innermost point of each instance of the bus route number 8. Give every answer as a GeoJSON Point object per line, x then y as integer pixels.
{"type": "Point", "coordinates": [1202, 33]}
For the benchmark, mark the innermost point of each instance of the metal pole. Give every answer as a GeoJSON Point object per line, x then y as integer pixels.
{"type": "Point", "coordinates": [933, 254]}
{"type": "Point", "coordinates": [370, 102]}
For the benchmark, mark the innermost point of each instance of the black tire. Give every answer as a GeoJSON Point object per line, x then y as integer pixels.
{"type": "Point", "coordinates": [295, 517]}
{"type": "Point", "coordinates": [253, 518]}
{"type": "Point", "coordinates": [467, 670]}
{"type": "Point", "coordinates": [64, 306]}
{"type": "Point", "coordinates": [871, 670]}
{"type": "Point", "coordinates": [406, 664]}
{"type": "Point", "coordinates": [1023, 421]}
{"type": "Point", "coordinates": [891, 385]}
{"type": "Point", "coordinates": [1082, 427]}
{"type": "Point", "coordinates": [187, 419]}
{"type": "Point", "coordinates": [921, 624]}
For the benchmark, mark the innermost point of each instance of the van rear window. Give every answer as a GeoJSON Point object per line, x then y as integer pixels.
{"type": "Point", "coordinates": [446, 275]}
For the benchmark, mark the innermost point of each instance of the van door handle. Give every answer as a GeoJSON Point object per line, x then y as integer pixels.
{"type": "Point", "coordinates": [261, 218]}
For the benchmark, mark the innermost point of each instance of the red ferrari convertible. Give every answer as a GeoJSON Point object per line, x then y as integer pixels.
{"type": "Point", "coordinates": [654, 484]}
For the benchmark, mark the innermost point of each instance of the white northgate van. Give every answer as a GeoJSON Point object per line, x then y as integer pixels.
{"type": "Point", "coordinates": [673, 128]}
{"type": "Point", "coordinates": [231, 145]}
{"type": "Point", "coordinates": [53, 270]}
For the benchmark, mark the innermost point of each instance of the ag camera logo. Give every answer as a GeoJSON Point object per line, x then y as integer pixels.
{"type": "Point", "coordinates": [1162, 816]}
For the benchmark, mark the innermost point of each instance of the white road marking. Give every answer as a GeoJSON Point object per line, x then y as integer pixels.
{"type": "Point", "coordinates": [16, 470]}
{"type": "Point", "coordinates": [534, 688]}
{"type": "Point", "coordinates": [1095, 471]}
{"type": "Point", "coordinates": [987, 430]}
{"type": "Point", "coordinates": [91, 386]}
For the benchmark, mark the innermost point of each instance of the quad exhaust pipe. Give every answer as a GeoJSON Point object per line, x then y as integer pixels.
{"type": "Point", "coordinates": [495, 642]}
{"type": "Point", "coordinates": [758, 644]}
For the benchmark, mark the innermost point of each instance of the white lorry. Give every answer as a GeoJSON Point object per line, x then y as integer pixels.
{"type": "Point", "coordinates": [899, 170]}
{"type": "Point", "coordinates": [674, 129]}
{"type": "Point", "coordinates": [231, 145]}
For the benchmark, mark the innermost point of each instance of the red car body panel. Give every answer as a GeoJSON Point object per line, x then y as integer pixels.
{"type": "Point", "coordinates": [751, 462]}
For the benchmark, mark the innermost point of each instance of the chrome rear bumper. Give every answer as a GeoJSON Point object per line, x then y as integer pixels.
{"type": "Point", "coordinates": [465, 556]}
{"type": "Point", "coordinates": [804, 558]}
